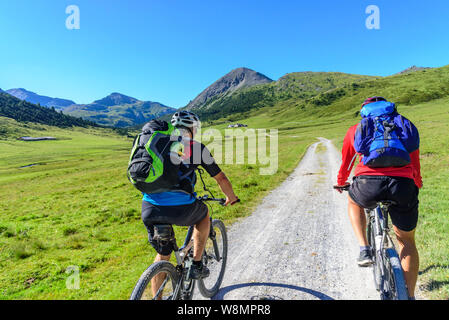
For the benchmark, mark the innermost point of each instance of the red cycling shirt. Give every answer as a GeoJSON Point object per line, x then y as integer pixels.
{"type": "Point", "coordinates": [349, 155]}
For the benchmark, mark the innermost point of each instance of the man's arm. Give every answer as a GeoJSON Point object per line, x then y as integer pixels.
{"type": "Point", "coordinates": [208, 163]}
{"type": "Point", "coordinates": [416, 168]}
{"type": "Point", "coordinates": [348, 157]}
{"type": "Point", "coordinates": [226, 188]}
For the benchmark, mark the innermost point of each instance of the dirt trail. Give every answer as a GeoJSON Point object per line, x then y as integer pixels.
{"type": "Point", "coordinates": [298, 244]}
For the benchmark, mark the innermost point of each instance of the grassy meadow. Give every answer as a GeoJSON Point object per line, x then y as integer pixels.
{"type": "Point", "coordinates": [75, 207]}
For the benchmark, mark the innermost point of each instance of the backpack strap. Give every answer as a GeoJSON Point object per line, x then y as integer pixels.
{"type": "Point", "coordinates": [185, 175]}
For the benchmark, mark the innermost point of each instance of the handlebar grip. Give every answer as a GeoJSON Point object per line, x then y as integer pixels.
{"type": "Point", "coordinates": [344, 188]}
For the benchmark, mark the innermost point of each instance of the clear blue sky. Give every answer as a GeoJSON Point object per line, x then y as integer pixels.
{"type": "Point", "coordinates": [169, 51]}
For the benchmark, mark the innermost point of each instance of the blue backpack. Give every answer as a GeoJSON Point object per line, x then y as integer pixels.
{"type": "Point", "coordinates": [384, 137]}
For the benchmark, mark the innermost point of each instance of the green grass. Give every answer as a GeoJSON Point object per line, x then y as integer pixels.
{"type": "Point", "coordinates": [77, 208]}
{"type": "Point", "coordinates": [432, 119]}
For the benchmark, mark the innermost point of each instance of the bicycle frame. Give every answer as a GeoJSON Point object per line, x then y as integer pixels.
{"type": "Point", "coordinates": [182, 254]}
{"type": "Point", "coordinates": [382, 238]}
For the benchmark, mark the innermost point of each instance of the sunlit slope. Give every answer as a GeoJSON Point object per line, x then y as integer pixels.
{"type": "Point", "coordinates": [288, 90]}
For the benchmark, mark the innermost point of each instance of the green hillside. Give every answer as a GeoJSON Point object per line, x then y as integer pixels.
{"type": "Point", "coordinates": [118, 110]}
{"type": "Point", "coordinates": [408, 89]}
{"type": "Point", "coordinates": [324, 95]}
{"type": "Point", "coordinates": [23, 111]}
{"type": "Point", "coordinates": [289, 89]}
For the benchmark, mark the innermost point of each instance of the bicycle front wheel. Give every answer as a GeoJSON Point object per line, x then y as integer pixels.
{"type": "Point", "coordinates": [395, 285]}
{"type": "Point", "coordinates": [158, 282]}
{"type": "Point", "coordinates": [215, 257]}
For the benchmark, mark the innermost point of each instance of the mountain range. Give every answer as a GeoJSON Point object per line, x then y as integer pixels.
{"type": "Point", "coordinates": [119, 110]}
{"type": "Point", "coordinates": [236, 79]}
{"type": "Point", "coordinates": [264, 92]}
{"type": "Point", "coordinates": [23, 111]}
{"type": "Point", "coordinates": [294, 90]}
{"type": "Point", "coordinates": [233, 95]}
{"type": "Point", "coordinates": [44, 101]}
{"type": "Point", "coordinates": [116, 109]}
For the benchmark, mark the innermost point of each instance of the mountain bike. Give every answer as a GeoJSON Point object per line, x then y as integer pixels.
{"type": "Point", "coordinates": [164, 281]}
{"type": "Point", "coordinates": [388, 274]}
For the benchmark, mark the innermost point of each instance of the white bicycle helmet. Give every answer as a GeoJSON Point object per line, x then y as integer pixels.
{"type": "Point", "coordinates": [185, 119]}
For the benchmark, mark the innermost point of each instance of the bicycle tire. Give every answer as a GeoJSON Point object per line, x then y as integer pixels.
{"type": "Point", "coordinates": [371, 234]}
{"type": "Point", "coordinates": [400, 287]}
{"type": "Point", "coordinates": [205, 289]}
{"type": "Point", "coordinates": [149, 273]}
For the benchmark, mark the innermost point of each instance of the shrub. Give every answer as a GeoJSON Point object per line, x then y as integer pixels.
{"type": "Point", "coordinates": [67, 231]}
{"type": "Point", "coordinates": [20, 251]}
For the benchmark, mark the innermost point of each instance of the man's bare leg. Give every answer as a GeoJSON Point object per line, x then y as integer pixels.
{"type": "Point", "coordinates": [409, 258]}
{"type": "Point", "coordinates": [358, 221]}
{"type": "Point", "coordinates": [157, 281]}
{"type": "Point", "coordinates": [200, 235]}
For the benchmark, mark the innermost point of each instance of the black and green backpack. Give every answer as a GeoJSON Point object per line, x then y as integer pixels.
{"type": "Point", "coordinates": [155, 160]}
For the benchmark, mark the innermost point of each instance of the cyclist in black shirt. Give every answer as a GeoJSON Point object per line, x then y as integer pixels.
{"type": "Point", "coordinates": [182, 208]}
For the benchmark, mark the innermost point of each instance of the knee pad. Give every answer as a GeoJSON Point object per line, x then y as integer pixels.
{"type": "Point", "coordinates": [163, 239]}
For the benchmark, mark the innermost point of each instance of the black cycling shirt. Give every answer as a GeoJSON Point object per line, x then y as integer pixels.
{"type": "Point", "coordinates": [195, 155]}
{"type": "Point", "coordinates": [199, 155]}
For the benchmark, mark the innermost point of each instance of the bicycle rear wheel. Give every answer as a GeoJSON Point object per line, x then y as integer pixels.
{"type": "Point", "coordinates": [394, 284]}
{"type": "Point", "coordinates": [215, 257]}
{"type": "Point", "coordinates": [371, 234]}
{"type": "Point", "coordinates": [158, 282]}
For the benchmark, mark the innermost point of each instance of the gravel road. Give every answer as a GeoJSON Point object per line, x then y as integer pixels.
{"type": "Point", "coordinates": [298, 244]}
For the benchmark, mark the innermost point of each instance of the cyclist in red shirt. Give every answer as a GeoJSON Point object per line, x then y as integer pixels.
{"type": "Point", "coordinates": [371, 185]}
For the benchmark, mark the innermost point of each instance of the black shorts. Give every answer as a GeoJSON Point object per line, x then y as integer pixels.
{"type": "Point", "coordinates": [367, 191]}
{"type": "Point", "coordinates": [185, 215]}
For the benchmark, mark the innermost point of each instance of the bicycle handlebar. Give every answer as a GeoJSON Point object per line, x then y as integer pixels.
{"type": "Point", "coordinates": [222, 201]}
{"type": "Point", "coordinates": [343, 188]}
